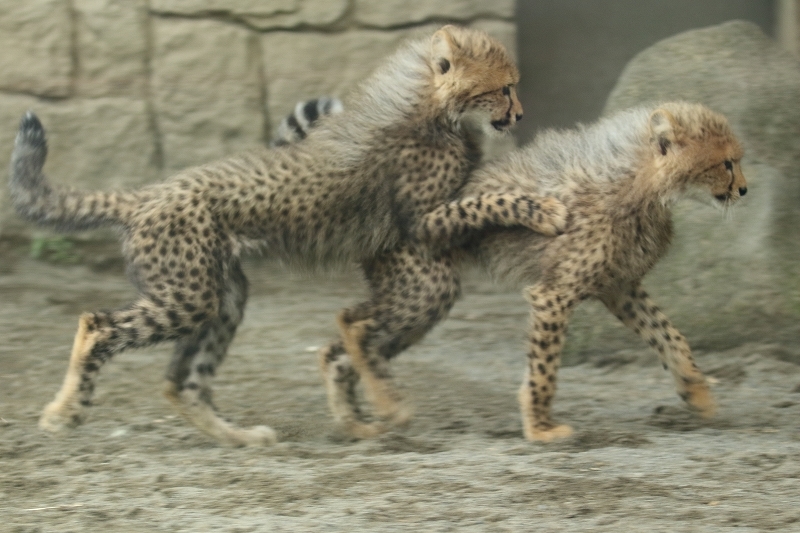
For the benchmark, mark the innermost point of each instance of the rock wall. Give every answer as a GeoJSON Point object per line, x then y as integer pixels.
{"type": "Point", "coordinates": [132, 90]}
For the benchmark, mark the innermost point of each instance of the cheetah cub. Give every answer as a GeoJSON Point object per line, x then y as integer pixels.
{"type": "Point", "coordinates": [619, 180]}
{"type": "Point", "coordinates": [350, 192]}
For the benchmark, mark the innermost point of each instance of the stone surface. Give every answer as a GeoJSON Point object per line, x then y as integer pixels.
{"type": "Point", "coordinates": [97, 143]}
{"type": "Point", "coordinates": [235, 7]}
{"type": "Point", "coordinates": [313, 13]}
{"type": "Point", "coordinates": [207, 90]}
{"type": "Point", "coordinates": [36, 47]}
{"type": "Point", "coordinates": [112, 47]}
{"type": "Point", "coordinates": [259, 14]}
{"type": "Point", "coordinates": [727, 279]}
{"type": "Point", "coordinates": [387, 13]}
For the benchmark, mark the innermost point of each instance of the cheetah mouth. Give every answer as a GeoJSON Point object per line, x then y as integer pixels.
{"type": "Point", "coordinates": [501, 125]}
{"type": "Point", "coordinates": [726, 199]}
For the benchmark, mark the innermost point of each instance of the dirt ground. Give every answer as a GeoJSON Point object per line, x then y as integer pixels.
{"type": "Point", "coordinates": [639, 461]}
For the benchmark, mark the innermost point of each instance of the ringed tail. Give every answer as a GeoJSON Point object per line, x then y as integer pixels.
{"type": "Point", "coordinates": [62, 208]}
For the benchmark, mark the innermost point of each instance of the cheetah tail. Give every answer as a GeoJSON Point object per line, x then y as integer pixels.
{"type": "Point", "coordinates": [37, 200]}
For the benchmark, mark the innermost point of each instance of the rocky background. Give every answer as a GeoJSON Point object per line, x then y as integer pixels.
{"type": "Point", "coordinates": [132, 90]}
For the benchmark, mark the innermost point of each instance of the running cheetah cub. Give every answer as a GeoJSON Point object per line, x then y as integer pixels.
{"type": "Point", "coordinates": [619, 179]}
{"type": "Point", "coordinates": [352, 191]}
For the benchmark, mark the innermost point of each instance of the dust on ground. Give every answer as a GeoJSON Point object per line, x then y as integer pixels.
{"type": "Point", "coordinates": [639, 461]}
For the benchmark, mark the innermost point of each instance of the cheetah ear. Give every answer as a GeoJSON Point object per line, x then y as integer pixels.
{"type": "Point", "coordinates": [442, 46]}
{"type": "Point", "coordinates": [663, 130]}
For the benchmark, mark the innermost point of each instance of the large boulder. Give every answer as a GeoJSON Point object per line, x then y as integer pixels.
{"type": "Point", "coordinates": [733, 278]}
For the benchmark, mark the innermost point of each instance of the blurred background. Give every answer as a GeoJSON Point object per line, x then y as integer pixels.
{"type": "Point", "coordinates": [132, 90]}
{"type": "Point", "coordinates": [573, 51]}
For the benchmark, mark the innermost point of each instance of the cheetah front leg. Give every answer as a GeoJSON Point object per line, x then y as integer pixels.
{"type": "Point", "coordinates": [637, 311]}
{"type": "Point", "coordinates": [454, 221]}
{"type": "Point", "coordinates": [550, 312]}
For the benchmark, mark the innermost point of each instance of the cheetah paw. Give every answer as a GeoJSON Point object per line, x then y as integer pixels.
{"type": "Point", "coordinates": [551, 218]}
{"type": "Point", "coordinates": [260, 436]}
{"type": "Point", "coordinates": [363, 430]}
{"type": "Point", "coordinates": [699, 399]}
{"type": "Point", "coordinates": [55, 417]}
{"type": "Point", "coordinates": [401, 417]}
{"type": "Point", "coordinates": [547, 435]}
{"type": "Point", "coordinates": [254, 436]}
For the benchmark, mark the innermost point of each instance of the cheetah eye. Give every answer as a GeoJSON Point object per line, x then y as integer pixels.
{"type": "Point", "coordinates": [728, 165]}
{"type": "Point", "coordinates": [507, 90]}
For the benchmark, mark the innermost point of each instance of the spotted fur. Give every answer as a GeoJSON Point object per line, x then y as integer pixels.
{"type": "Point", "coordinates": [457, 219]}
{"type": "Point", "coordinates": [352, 191]}
{"type": "Point", "coordinates": [619, 180]}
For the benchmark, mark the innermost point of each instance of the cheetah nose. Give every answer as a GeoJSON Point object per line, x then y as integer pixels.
{"type": "Point", "coordinates": [742, 191]}
{"type": "Point", "coordinates": [519, 117]}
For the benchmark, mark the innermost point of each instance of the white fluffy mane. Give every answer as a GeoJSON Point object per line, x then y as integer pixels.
{"type": "Point", "coordinates": [395, 89]}
{"type": "Point", "coordinates": [604, 151]}
{"type": "Point", "coordinates": [391, 96]}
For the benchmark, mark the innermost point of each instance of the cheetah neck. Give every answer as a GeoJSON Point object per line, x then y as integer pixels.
{"type": "Point", "coordinates": [642, 213]}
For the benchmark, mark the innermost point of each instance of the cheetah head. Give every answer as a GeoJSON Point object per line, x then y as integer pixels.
{"type": "Point", "coordinates": [474, 79]}
{"type": "Point", "coordinates": [699, 152]}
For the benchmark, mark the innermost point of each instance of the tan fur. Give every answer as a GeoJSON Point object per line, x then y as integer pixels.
{"type": "Point", "coordinates": [352, 191]}
{"type": "Point", "coordinates": [618, 180]}
{"type": "Point", "coordinates": [619, 200]}
{"type": "Point", "coordinates": [65, 410]}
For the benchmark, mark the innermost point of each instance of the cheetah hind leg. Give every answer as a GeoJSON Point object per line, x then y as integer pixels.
{"type": "Point", "coordinates": [386, 401]}
{"type": "Point", "coordinates": [66, 410]}
{"type": "Point", "coordinates": [188, 387]}
{"type": "Point", "coordinates": [201, 414]}
{"type": "Point", "coordinates": [341, 380]}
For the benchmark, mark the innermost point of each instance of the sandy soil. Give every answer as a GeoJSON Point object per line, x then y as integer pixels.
{"type": "Point", "coordinates": [638, 462]}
